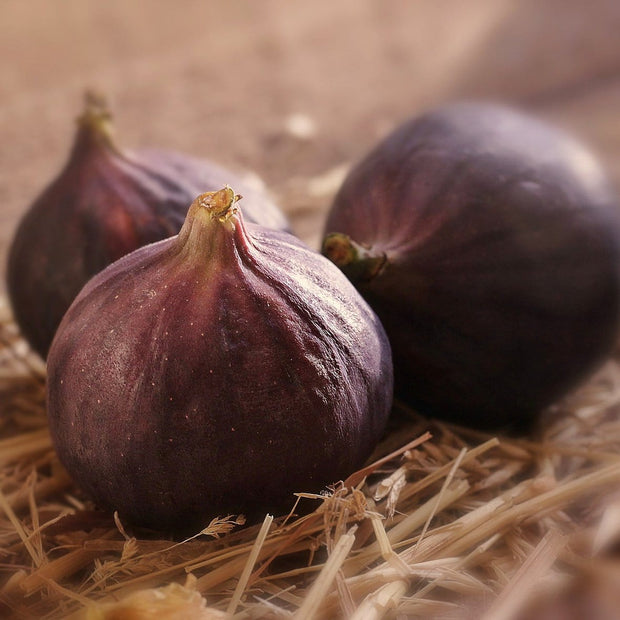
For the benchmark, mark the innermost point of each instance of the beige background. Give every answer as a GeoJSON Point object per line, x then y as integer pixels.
{"type": "Point", "coordinates": [220, 79]}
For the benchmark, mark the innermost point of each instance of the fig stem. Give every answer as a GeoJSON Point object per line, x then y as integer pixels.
{"type": "Point", "coordinates": [207, 209]}
{"type": "Point", "coordinates": [221, 205]}
{"type": "Point", "coordinates": [358, 263]}
{"type": "Point", "coordinates": [96, 119]}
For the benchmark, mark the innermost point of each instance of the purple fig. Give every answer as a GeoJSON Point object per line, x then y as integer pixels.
{"type": "Point", "coordinates": [104, 204]}
{"type": "Point", "coordinates": [488, 243]}
{"type": "Point", "coordinates": [215, 372]}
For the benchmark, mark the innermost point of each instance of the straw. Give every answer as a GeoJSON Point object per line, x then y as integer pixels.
{"type": "Point", "coordinates": [442, 522]}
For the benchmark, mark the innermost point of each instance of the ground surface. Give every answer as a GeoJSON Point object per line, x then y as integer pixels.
{"type": "Point", "coordinates": [222, 80]}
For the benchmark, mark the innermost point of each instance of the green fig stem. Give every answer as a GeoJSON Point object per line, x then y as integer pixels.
{"type": "Point", "coordinates": [96, 120]}
{"type": "Point", "coordinates": [358, 263]}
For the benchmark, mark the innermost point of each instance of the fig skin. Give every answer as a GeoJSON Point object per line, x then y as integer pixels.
{"type": "Point", "coordinates": [216, 372]}
{"type": "Point", "coordinates": [104, 204]}
{"type": "Point", "coordinates": [488, 244]}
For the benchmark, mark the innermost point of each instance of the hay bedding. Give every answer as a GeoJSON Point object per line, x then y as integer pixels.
{"type": "Point", "coordinates": [444, 523]}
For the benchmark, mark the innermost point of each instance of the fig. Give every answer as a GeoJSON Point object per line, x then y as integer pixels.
{"type": "Point", "coordinates": [216, 372]}
{"type": "Point", "coordinates": [487, 242]}
{"type": "Point", "coordinates": [104, 204]}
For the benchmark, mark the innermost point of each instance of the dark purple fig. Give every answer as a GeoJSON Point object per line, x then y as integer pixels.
{"type": "Point", "coordinates": [216, 372]}
{"type": "Point", "coordinates": [104, 204]}
{"type": "Point", "coordinates": [488, 244]}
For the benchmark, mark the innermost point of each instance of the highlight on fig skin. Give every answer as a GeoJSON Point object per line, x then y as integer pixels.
{"type": "Point", "coordinates": [216, 372]}
{"type": "Point", "coordinates": [105, 203]}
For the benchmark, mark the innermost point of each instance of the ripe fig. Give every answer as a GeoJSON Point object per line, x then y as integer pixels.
{"type": "Point", "coordinates": [214, 372]}
{"type": "Point", "coordinates": [104, 204]}
{"type": "Point", "coordinates": [488, 244]}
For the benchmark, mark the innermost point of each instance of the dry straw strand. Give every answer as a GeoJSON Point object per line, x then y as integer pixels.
{"type": "Point", "coordinates": [249, 565]}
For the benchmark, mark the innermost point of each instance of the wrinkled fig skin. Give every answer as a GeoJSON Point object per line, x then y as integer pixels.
{"type": "Point", "coordinates": [104, 204]}
{"type": "Point", "coordinates": [216, 372]}
{"type": "Point", "coordinates": [490, 253]}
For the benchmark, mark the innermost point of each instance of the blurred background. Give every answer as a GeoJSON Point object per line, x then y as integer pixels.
{"type": "Point", "coordinates": [294, 92]}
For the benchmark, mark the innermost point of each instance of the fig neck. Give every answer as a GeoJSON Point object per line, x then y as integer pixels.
{"type": "Point", "coordinates": [95, 127]}
{"type": "Point", "coordinates": [358, 263]}
{"type": "Point", "coordinates": [213, 227]}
